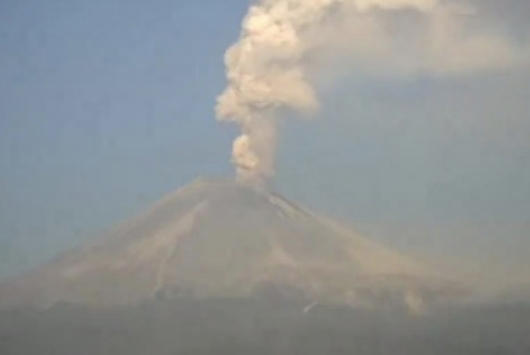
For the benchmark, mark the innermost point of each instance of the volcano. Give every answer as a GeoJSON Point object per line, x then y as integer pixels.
{"type": "Point", "coordinates": [222, 239]}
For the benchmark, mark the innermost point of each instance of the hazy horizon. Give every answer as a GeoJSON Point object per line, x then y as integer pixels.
{"type": "Point", "coordinates": [107, 106]}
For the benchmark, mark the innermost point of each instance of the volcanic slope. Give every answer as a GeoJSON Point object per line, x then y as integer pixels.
{"type": "Point", "coordinates": [219, 239]}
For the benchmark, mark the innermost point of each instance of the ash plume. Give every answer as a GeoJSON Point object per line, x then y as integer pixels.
{"type": "Point", "coordinates": [285, 44]}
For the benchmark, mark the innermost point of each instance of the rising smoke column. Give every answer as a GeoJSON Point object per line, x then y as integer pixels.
{"type": "Point", "coordinates": [267, 68]}
{"type": "Point", "coordinates": [264, 72]}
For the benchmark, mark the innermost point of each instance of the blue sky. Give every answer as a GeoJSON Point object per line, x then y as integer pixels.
{"type": "Point", "coordinates": [105, 106]}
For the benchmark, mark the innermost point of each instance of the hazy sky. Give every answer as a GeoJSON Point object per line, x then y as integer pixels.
{"type": "Point", "coordinates": [107, 105]}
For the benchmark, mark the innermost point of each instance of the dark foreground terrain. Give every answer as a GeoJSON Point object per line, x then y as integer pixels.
{"type": "Point", "coordinates": [262, 327]}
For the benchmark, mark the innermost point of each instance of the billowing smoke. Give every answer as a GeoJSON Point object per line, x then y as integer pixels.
{"type": "Point", "coordinates": [286, 44]}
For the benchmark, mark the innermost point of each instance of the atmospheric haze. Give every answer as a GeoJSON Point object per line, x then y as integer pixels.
{"type": "Point", "coordinates": [224, 266]}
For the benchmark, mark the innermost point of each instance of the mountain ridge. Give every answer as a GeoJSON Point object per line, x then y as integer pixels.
{"type": "Point", "coordinates": [219, 238]}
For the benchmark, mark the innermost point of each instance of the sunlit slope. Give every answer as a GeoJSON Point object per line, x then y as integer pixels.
{"type": "Point", "coordinates": [222, 239]}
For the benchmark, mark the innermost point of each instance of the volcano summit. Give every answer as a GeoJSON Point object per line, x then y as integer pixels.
{"type": "Point", "coordinates": [221, 239]}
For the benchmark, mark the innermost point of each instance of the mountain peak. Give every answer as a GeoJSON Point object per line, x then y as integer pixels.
{"type": "Point", "coordinates": [220, 238]}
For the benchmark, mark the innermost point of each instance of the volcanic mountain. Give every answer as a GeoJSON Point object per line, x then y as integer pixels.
{"type": "Point", "coordinates": [221, 239]}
